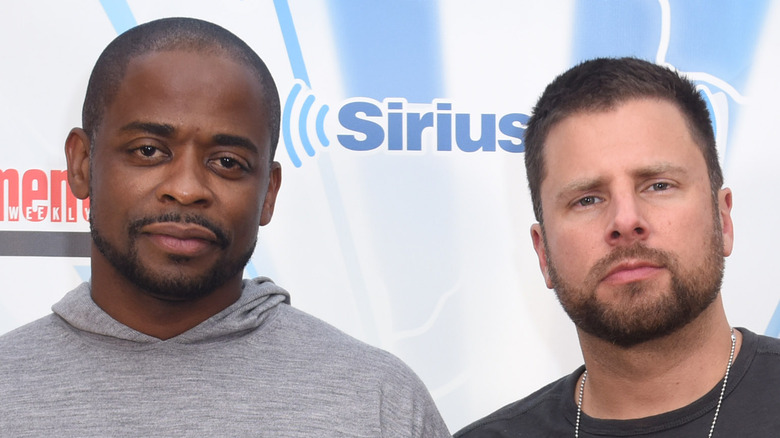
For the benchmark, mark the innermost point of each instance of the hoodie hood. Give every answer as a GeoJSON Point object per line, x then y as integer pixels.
{"type": "Point", "coordinates": [259, 299]}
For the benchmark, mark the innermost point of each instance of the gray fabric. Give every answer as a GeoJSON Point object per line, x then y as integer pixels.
{"type": "Point", "coordinates": [258, 368]}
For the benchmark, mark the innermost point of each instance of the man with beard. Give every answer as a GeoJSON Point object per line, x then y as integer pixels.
{"type": "Point", "coordinates": [180, 125]}
{"type": "Point", "coordinates": [633, 227]}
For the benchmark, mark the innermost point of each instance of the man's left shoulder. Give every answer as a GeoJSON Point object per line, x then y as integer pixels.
{"type": "Point", "coordinates": [406, 407]}
{"type": "Point", "coordinates": [328, 343]}
{"type": "Point", "coordinates": [767, 345]}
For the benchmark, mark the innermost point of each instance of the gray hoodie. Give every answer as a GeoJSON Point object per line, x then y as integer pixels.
{"type": "Point", "coordinates": [258, 368]}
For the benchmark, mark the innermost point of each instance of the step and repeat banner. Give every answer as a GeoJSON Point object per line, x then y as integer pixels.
{"type": "Point", "coordinates": [403, 217]}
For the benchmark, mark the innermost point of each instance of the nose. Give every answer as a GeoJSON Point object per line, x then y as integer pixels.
{"type": "Point", "coordinates": [185, 181]}
{"type": "Point", "coordinates": [627, 223]}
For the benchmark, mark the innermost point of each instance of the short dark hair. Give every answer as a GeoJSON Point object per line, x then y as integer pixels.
{"type": "Point", "coordinates": [602, 84]}
{"type": "Point", "coordinates": [168, 34]}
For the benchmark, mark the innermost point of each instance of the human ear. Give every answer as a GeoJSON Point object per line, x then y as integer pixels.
{"type": "Point", "coordinates": [726, 224]}
{"type": "Point", "coordinates": [77, 147]}
{"type": "Point", "coordinates": [537, 236]}
{"type": "Point", "coordinates": [274, 182]}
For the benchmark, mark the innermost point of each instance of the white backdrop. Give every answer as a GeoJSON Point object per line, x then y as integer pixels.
{"type": "Point", "coordinates": [415, 242]}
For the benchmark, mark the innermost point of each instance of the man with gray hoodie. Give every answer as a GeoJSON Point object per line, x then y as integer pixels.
{"type": "Point", "coordinates": [180, 125]}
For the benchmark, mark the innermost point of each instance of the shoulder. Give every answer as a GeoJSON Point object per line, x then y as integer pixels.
{"type": "Point", "coordinates": [765, 345]}
{"type": "Point", "coordinates": [527, 415]}
{"type": "Point", "coordinates": [405, 406]}
{"type": "Point", "coordinates": [756, 370]}
{"type": "Point", "coordinates": [33, 346]}
{"type": "Point", "coordinates": [759, 347]}
{"type": "Point", "coordinates": [762, 356]}
{"type": "Point", "coordinates": [31, 335]}
{"type": "Point", "coordinates": [322, 342]}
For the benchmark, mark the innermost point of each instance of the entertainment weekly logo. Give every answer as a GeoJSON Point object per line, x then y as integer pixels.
{"type": "Point", "coordinates": [37, 195]}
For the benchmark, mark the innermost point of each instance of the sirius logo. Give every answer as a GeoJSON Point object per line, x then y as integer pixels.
{"type": "Point", "coordinates": [365, 124]}
{"type": "Point", "coordinates": [400, 126]}
{"type": "Point", "coordinates": [303, 116]}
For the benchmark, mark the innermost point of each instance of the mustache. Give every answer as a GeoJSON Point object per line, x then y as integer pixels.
{"type": "Point", "coordinates": [221, 235]}
{"type": "Point", "coordinates": [637, 251]}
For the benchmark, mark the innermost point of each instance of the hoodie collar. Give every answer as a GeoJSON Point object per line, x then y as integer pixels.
{"type": "Point", "coordinates": [258, 298]}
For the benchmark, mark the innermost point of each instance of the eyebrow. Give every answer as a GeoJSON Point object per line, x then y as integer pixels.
{"type": "Point", "coordinates": [587, 184]}
{"type": "Point", "coordinates": [658, 169]}
{"type": "Point", "coordinates": [161, 129]}
{"type": "Point", "coordinates": [235, 140]}
{"type": "Point", "coordinates": [580, 185]}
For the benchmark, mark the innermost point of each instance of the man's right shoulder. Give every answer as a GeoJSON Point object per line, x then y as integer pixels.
{"type": "Point", "coordinates": [29, 336]}
{"type": "Point", "coordinates": [521, 418]}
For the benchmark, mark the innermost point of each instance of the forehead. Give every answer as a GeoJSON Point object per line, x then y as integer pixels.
{"type": "Point", "coordinates": [210, 90]}
{"type": "Point", "coordinates": [633, 135]}
{"type": "Point", "coordinates": [182, 72]}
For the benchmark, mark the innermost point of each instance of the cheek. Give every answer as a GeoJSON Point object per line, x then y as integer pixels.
{"type": "Point", "coordinates": [117, 186]}
{"type": "Point", "coordinates": [690, 232]}
{"type": "Point", "coordinates": [572, 251]}
{"type": "Point", "coordinates": [116, 201]}
{"type": "Point", "coordinates": [243, 209]}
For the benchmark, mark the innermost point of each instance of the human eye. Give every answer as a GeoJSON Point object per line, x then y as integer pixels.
{"type": "Point", "coordinates": [229, 166]}
{"type": "Point", "coordinates": [147, 154]}
{"type": "Point", "coordinates": [659, 186]}
{"type": "Point", "coordinates": [586, 201]}
{"type": "Point", "coordinates": [147, 151]}
{"type": "Point", "coordinates": [228, 163]}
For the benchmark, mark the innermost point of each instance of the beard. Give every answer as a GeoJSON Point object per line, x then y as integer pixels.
{"type": "Point", "coordinates": [177, 286]}
{"type": "Point", "coordinates": [642, 314]}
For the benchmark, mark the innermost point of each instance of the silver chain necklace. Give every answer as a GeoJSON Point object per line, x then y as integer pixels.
{"type": "Point", "coordinates": [717, 409]}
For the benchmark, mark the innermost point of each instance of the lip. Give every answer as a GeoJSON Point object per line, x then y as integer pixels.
{"type": "Point", "coordinates": [182, 239]}
{"type": "Point", "coordinates": [630, 271]}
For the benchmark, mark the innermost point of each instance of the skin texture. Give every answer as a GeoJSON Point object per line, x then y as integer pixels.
{"type": "Point", "coordinates": [179, 179]}
{"type": "Point", "coordinates": [629, 217]}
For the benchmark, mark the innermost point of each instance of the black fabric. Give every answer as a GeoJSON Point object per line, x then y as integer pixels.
{"type": "Point", "coordinates": [750, 408]}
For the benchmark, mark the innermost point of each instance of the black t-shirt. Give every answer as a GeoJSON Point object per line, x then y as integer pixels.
{"type": "Point", "coordinates": [750, 407]}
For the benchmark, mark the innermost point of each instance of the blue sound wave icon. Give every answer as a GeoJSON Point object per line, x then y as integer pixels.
{"type": "Point", "coordinates": [303, 132]}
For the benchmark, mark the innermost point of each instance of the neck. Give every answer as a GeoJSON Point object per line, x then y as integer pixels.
{"type": "Point", "coordinates": [163, 319]}
{"type": "Point", "coordinates": [657, 376]}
